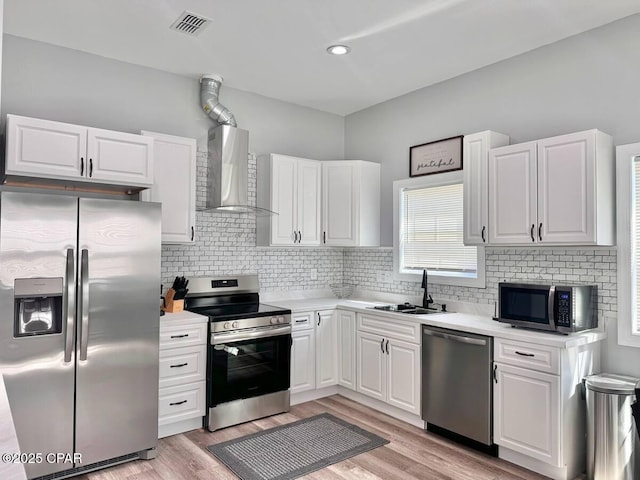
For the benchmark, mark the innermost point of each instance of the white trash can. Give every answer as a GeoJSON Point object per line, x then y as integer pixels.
{"type": "Point", "coordinates": [612, 440]}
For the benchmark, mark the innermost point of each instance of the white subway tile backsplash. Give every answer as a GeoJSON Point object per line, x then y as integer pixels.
{"type": "Point", "coordinates": [226, 244]}
{"type": "Point", "coordinates": [570, 265]}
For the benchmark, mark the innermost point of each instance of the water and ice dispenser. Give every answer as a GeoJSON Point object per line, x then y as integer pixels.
{"type": "Point", "coordinates": [37, 306]}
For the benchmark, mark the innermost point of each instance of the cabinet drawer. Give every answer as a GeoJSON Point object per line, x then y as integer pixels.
{"type": "Point", "coordinates": [388, 328]}
{"type": "Point", "coordinates": [183, 365]}
{"type": "Point", "coordinates": [183, 336]}
{"type": "Point", "coordinates": [302, 320]}
{"type": "Point", "coordinates": [181, 403]}
{"type": "Point", "coordinates": [528, 355]}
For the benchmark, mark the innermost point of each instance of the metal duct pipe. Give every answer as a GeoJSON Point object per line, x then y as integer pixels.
{"type": "Point", "coordinates": [209, 89]}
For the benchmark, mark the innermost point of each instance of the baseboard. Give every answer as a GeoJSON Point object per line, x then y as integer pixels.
{"type": "Point", "coordinates": [557, 473]}
{"type": "Point", "coordinates": [311, 395]}
{"type": "Point", "coordinates": [179, 427]}
{"type": "Point", "coordinates": [390, 410]}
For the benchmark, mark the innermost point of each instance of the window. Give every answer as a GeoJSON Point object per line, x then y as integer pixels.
{"type": "Point", "coordinates": [628, 235]}
{"type": "Point", "coordinates": [428, 225]}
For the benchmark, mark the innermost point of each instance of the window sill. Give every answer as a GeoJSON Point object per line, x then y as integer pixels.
{"type": "Point", "coordinates": [454, 280]}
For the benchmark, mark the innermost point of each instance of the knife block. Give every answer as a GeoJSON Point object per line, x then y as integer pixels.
{"type": "Point", "coordinates": [174, 306]}
{"type": "Point", "coordinates": [171, 305]}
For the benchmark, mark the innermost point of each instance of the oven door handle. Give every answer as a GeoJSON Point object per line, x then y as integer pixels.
{"type": "Point", "coordinates": [218, 338]}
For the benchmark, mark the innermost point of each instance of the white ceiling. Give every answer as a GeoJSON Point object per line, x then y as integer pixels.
{"type": "Point", "coordinates": [277, 47]}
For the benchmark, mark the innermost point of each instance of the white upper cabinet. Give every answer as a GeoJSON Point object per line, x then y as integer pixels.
{"type": "Point", "coordinates": [332, 202]}
{"type": "Point", "coordinates": [556, 191]}
{"type": "Point", "coordinates": [290, 186]}
{"type": "Point", "coordinates": [351, 203]}
{"type": "Point", "coordinates": [72, 153]}
{"type": "Point", "coordinates": [116, 157]}
{"type": "Point", "coordinates": [174, 186]}
{"type": "Point", "coordinates": [513, 193]}
{"type": "Point", "coordinates": [475, 163]}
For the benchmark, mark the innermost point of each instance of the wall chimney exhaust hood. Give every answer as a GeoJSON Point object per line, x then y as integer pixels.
{"type": "Point", "coordinates": [228, 156]}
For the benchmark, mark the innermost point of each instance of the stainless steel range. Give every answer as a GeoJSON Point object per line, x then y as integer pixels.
{"type": "Point", "coordinates": [249, 351]}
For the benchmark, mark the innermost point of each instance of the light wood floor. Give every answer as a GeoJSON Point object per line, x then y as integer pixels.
{"type": "Point", "coordinates": [411, 453]}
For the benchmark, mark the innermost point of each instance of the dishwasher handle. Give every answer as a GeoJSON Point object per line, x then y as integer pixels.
{"type": "Point", "coordinates": [455, 338]}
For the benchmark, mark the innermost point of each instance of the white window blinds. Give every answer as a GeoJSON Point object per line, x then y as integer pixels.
{"type": "Point", "coordinates": [431, 230]}
{"type": "Point", "coordinates": [635, 244]}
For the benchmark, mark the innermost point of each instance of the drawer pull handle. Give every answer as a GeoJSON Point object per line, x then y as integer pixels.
{"type": "Point", "coordinates": [178, 403]}
{"type": "Point", "coordinates": [525, 354]}
{"type": "Point", "coordinates": [179, 365]}
{"type": "Point", "coordinates": [180, 336]}
{"type": "Point", "coordinates": [304, 320]}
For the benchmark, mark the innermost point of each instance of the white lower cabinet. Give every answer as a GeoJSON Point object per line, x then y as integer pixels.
{"type": "Point", "coordinates": [346, 326]}
{"type": "Point", "coordinates": [182, 373]}
{"type": "Point", "coordinates": [538, 408]}
{"type": "Point", "coordinates": [303, 360]}
{"type": "Point", "coordinates": [326, 349]}
{"type": "Point", "coordinates": [314, 352]}
{"type": "Point", "coordinates": [526, 405]}
{"type": "Point", "coordinates": [388, 369]}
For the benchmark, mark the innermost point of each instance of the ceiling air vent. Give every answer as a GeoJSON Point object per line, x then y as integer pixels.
{"type": "Point", "coordinates": [190, 23]}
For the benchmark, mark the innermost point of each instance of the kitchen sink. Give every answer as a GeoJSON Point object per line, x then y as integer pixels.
{"type": "Point", "coordinates": [409, 309]}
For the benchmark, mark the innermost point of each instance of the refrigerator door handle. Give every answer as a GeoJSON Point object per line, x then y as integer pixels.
{"type": "Point", "coordinates": [84, 303]}
{"type": "Point", "coordinates": [69, 313]}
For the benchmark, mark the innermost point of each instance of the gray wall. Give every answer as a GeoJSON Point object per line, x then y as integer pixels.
{"type": "Point", "coordinates": [45, 81]}
{"type": "Point", "coordinates": [587, 81]}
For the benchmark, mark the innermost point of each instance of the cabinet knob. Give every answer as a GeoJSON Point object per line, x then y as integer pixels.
{"type": "Point", "coordinates": [540, 231]}
{"type": "Point", "coordinates": [193, 231]}
{"type": "Point", "coordinates": [533, 226]}
{"type": "Point", "coordinates": [482, 234]}
{"type": "Point", "coordinates": [91, 167]}
{"type": "Point", "coordinates": [82, 166]}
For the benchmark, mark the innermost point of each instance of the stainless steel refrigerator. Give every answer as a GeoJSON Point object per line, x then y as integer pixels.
{"type": "Point", "coordinates": [79, 324]}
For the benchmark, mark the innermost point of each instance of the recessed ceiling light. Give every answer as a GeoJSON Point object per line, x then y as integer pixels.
{"type": "Point", "coordinates": [338, 49]}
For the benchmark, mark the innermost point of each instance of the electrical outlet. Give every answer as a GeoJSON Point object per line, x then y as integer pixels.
{"type": "Point", "coordinates": [313, 273]}
{"type": "Point", "coordinates": [387, 277]}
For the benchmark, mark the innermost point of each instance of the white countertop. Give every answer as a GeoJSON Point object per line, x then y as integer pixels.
{"type": "Point", "coordinates": [8, 439]}
{"type": "Point", "coordinates": [465, 322]}
{"type": "Point", "coordinates": [180, 318]}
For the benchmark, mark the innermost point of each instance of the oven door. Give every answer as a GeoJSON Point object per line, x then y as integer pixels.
{"type": "Point", "coordinates": [248, 364]}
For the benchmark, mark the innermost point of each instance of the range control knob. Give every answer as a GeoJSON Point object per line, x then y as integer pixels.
{"type": "Point", "coordinates": [226, 325]}
{"type": "Point", "coordinates": [235, 324]}
{"type": "Point", "coordinates": [280, 319]}
{"type": "Point", "coordinates": [274, 320]}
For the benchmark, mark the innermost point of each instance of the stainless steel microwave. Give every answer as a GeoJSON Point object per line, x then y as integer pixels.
{"type": "Point", "coordinates": [558, 308]}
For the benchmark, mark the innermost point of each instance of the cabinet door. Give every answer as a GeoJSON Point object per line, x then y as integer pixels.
{"type": "Point", "coordinates": [174, 186]}
{"type": "Point", "coordinates": [45, 149]}
{"type": "Point", "coordinates": [403, 375]}
{"type": "Point", "coordinates": [326, 349]}
{"type": "Point", "coordinates": [309, 191]}
{"type": "Point", "coordinates": [284, 181]}
{"type": "Point", "coordinates": [346, 349]}
{"type": "Point", "coordinates": [120, 158]}
{"type": "Point", "coordinates": [475, 149]}
{"type": "Point", "coordinates": [371, 370]}
{"type": "Point", "coordinates": [512, 194]}
{"type": "Point", "coordinates": [566, 189]}
{"type": "Point", "coordinates": [526, 412]}
{"type": "Point", "coordinates": [303, 361]}
{"type": "Point", "coordinates": [339, 203]}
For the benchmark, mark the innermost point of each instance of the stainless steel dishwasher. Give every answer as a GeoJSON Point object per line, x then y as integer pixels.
{"type": "Point", "coordinates": [456, 385]}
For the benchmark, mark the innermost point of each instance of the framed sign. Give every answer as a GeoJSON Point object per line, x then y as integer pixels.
{"type": "Point", "coordinates": [436, 157]}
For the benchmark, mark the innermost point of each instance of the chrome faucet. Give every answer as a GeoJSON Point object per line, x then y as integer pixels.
{"type": "Point", "coordinates": [426, 297]}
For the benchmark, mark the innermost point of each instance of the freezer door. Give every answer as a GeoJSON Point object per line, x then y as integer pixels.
{"type": "Point", "coordinates": [37, 282]}
{"type": "Point", "coordinates": [118, 328]}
